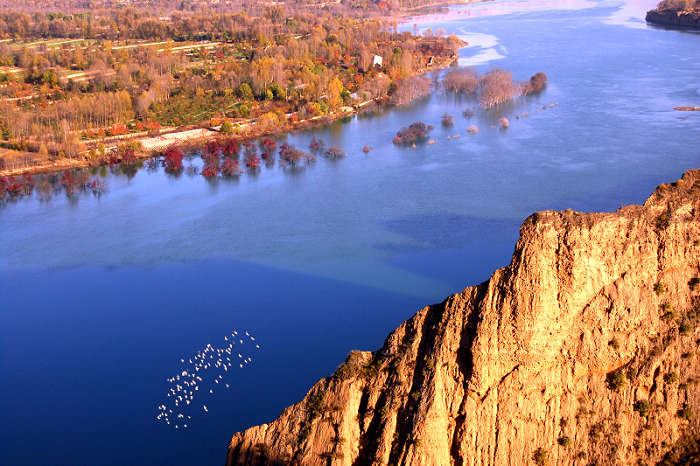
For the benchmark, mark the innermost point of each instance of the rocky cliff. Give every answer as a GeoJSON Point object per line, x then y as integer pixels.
{"type": "Point", "coordinates": [675, 18]}
{"type": "Point", "coordinates": [584, 350]}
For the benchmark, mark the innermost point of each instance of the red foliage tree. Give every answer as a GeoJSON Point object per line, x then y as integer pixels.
{"type": "Point", "coordinates": [231, 148]}
{"type": "Point", "coordinates": [172, 159]}
{"type": "Point", "coordinates": [230, 167]}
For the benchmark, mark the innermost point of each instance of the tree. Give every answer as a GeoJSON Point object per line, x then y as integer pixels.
{"type": "Point", "coordinates": [497, 87]}
{"type": "Point", "coordinates": [461, 81]}
{"type": "Point", "coordinates": [335, 88]}
{"type": "Point", "coordinates": [226, 127]}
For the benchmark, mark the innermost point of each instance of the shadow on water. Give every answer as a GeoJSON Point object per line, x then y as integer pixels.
{"type": "Point", "coordinates": [444, 231]}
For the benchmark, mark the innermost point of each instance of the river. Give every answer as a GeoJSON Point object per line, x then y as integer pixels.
{"type": "Point", "coordinates": [101, 297]}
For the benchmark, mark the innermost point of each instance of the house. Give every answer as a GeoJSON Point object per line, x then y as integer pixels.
{"type": "Point", "coordinates": [377, 61]}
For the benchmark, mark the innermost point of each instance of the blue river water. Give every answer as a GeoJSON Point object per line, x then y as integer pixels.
{"type": "Point", "coordinates": [101, 297]}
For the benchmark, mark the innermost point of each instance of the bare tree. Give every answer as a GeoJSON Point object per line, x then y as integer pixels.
{"type": "Point", "coordinates": [461, 81]}
{"type": "Point", "coordinates": [497, 87]}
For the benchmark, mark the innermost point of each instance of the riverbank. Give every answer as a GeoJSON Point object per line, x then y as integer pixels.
{"type": "Point", "coordinates": [152, 145]}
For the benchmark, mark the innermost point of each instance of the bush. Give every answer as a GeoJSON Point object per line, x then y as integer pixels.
{"type": "Point", "coordinates": [564, 441]}
{"type": "Point", "coordinates": [172, 159]}
{"type": "Point", "coordinates": [616, 380]}
{"type": "Point", "coordinates": [614, 344]}
{"type": "Point", "coordinates": [537, 82]}
{"type": "Point", "coordinates": [596, 431]}
{"type": "Point", "coordinates": [693, 283]}
{"type": "Point", "coordinates": [226, 127]}
{"type": "Point", "coordinates": [686, 413]}
{"type": "Point", "coordinates": [659, 288]}
{"type": "Point", "coordinates": [541, 457]}
{"type": "Point", "coordinates": [671, 378]}
{"type": "Point", "coordinates": [642, 407]}
{"type": "Point", "coordinates": [685, 328]}
{"type": "Point", "coordinates": [416, 132]}
{"type": "Point", "coordinates": [315, 404]}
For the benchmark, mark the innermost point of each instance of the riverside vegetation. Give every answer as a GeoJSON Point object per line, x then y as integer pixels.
{"type": "Point", "coordinates": [73, 86]}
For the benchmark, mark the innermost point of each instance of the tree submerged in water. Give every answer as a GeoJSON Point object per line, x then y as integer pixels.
{"type": "Point", "coordinates": [416, 132]}
{"type": "Point", "coordinates": [537, 82]}
{"type": "Point", "coordinates": [172, 160]}
{"type": "Point", "coordinates": [410, 89]}
{"type": "Point", "coordinates": [461, 81]}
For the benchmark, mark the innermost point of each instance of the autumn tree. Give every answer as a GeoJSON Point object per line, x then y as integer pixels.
{"type": "Point", "coordinates": [497, 87]}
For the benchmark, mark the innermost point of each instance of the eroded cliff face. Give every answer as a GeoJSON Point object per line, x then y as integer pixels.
{"type": "Point", "coordinates": [583, 350]}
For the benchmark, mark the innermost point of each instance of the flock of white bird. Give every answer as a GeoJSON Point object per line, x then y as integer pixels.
{"type": "Point", "coordinates": [206, 369]}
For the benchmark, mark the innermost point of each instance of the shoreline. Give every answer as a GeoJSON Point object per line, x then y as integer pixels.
{"type": "Point", "coordinates": [189, 136]}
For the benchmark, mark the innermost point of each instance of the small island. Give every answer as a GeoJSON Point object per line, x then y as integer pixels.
{"type": "Point", "coordinates": [676, 13]}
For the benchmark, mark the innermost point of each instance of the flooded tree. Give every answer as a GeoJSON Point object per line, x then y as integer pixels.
{"type": "Point", "coordinates": [230, 167]}
{"type": "Point", "coordinates": [316, 144]}
{"type": "Point", "coordinates": [335, 153]}
{"type": "Point", "coordinates": [172, 159]}
{"type": "Point", "coordinates": [416, 132]}
{"type": "Point", "coordinates": [293, 157]}
{"type": "Point", "coordinates": [472, 129]}
{"type": "Point", "coordinates": [447, 120]}
{"type": "Point", "coordinates": [497, 87]}
{"type": "Point", "coordinates": [211, 164]}
{"type": "Point", "coordinates": [537, 82]}
{"type": "Point", "coordinates": [503, 123]}
{"type": "Point", "coordinates": [461, 81]}
{"type": "Point", "coordinates": [230, 148]}
{"type": "Point", "coordinates": [410, 89]}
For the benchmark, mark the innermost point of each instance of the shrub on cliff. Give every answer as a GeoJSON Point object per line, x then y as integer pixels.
{"type": "Point", "coordinates": [659, 288]}
{"type": "Point", "coordinates": [642, 407]}
{"type": "Point", "coordinates": [541, 457]}
{"type": "Point", "coordinates": [686, 413]}
{"type": "Point", "coordinates": [615, 380]}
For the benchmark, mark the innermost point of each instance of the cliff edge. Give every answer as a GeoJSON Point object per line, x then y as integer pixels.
{"type": "Point", "coordinates": [584, 350]}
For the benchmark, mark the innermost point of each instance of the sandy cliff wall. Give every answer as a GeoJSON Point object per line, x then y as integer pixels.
{"type": "Point", "coordinates": [583, 350]}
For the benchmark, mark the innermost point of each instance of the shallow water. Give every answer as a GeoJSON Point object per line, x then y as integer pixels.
{"type": "Point", "coordinates": [102, 296]}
